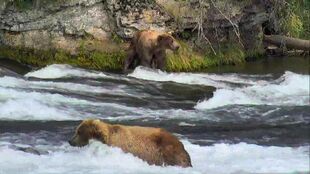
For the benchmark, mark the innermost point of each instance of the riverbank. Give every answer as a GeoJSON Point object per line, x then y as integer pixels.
{"type": "Point", "coordinates": [94, 34]}
{"type": "Point", "coordinates": [185, 60]}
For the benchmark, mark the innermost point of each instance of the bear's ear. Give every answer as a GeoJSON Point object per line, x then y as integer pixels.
{"type": "Point", "coordinates": [164, 38]}
{"type": "Point", "coordinates": [96, 121]}
{"type": "Point", "coordinates": [161, 37]}
{"type": "Point", "coordinates": [91, 121]}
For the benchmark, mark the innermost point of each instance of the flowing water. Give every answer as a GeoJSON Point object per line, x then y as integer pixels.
{"type": "Point", "coordinates": [249, 119]}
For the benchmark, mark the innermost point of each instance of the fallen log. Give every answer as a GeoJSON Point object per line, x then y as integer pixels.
{"type": "Point", "coordinates": [288, 42]}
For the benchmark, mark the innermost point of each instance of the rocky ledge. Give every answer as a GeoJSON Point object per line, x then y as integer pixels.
{"type": "Point", "coordinates": [105, 25]}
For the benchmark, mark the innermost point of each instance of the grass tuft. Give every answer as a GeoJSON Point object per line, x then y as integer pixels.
{"type": "Point", "coordinates": [96, 60]}
{"type": "Point", "coordinates": [295, 18]}
{"type": "Point", "coordinates": [189, 60]}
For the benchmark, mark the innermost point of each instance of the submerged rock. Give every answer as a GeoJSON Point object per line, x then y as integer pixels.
{"type": "Point", "coordinates": [31, 150]}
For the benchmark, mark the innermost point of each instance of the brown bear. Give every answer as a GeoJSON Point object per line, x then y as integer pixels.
{"type": "Point", "coordinates": [148, 47]}
{"type": "Point", "coordinates": [154, 145]}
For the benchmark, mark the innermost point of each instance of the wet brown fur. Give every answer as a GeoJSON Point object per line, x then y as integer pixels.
{"type": "Point", "coordinates": [154, 145]}
{"type": "Point", "coordinates": [148, 48]}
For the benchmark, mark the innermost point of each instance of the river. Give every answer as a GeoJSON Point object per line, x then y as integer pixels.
{"type": "Point", "coordinates": [253, 118]}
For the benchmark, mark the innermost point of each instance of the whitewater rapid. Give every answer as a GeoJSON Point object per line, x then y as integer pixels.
{"type": "Point", "coordinates": [62, 71]}
{"type": "Point", "coordinates": [99, 158]}
{"type": "Point", "coordinates": [43, 99]}
{"type": "Point", "coordinates": [289, 89]}
{"type": "Point", "coordinates": [243, 103]}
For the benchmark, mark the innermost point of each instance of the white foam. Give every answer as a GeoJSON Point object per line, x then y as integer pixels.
{"type": "Point", "coordinates": [62, 70]}
{"type": "Point", "coordinates": [30, 109]}
{"type": "Point", "coordinates": [248, 158]}
{"type": "Point", "coordinates": [17, 104]}
{"type": "Point", "coordinates": [99, 158]}
{"type": "Point", "coordinates": [28, 105]}
{"type": "Point", "coordinates": [21, 83]}
{"type": "Point", "coordinates": [215, 80]}
{"type": "Point", "coordinates": [18, 101]}
{"type": "Point", "coordinates": [290, 89]}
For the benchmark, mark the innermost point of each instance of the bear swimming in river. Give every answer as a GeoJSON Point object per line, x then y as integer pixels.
{"type": "Point", "coordinates": [148, 47]}
{"type": "Point", "coordinates": [154, 145]}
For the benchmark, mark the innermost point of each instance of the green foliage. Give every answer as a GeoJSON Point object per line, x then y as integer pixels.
{"type": "Point", "coordinates": [294, 25]}
{"type": "Point", "coordinates": [116, 38]}
{"type": "Point", "coordinates": [22, 4]}
{"type": "Point", "coordinates": [294, 18]}
{"type": "Point", "coordinates": [112, 61]}
{"type": "Point", "coordinates": [254, 54]}
{"type": "Point", "coordinates": [186, 35]}
{"type": "Point", "coordinates": [186, 59]}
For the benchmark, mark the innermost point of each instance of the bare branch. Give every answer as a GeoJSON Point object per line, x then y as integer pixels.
{"type": "Point", "coordinates": [235, 26]}
{"type": "Point", "coordinates": [199, 26]}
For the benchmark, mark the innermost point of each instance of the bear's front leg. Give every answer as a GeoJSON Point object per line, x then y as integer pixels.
{"type": "Point", "coordinates": [160, 59]}
{"type": "Point", "coordinates": [146, 60]}
{"type": "Point", "coordinates": [129, 61]}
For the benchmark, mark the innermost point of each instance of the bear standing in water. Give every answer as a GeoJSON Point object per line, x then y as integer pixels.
{"type": "Point", "coordinates": [154, 145]}
{"type": "Point", "coordinates": [149, 47]}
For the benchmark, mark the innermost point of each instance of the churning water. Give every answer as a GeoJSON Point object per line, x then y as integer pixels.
{"type": "Point", "coordinates": [228, 122]}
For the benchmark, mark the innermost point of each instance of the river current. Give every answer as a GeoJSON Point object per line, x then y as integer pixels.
{"type": "Point", "coordinates": [230, 121]}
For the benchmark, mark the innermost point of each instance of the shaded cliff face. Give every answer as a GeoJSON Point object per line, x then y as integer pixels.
{"type": "Point", "coordinates": [101, 25]}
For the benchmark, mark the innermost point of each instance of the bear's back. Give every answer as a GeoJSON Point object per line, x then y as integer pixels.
{"type": "Point", "coordinates": [146, 38]}
{"type": "Point", "coordinates": [154, 145]}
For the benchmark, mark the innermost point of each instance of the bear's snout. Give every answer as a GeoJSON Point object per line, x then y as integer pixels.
{"type": "Point", "coordinates": [177, 48]}
{"type": "Point", "coordinates": [78, 141]}
{"type": "Point", "coordinates": [71, 142]}
{"type": "Point", "coordinates": [74, 141]}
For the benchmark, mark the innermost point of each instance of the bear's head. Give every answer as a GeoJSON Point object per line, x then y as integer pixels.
{"type": "Point", "coordinates": [168, 42]}
{"type": "Point", "coordinates": [88, 129]}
